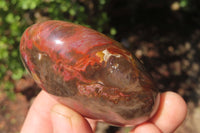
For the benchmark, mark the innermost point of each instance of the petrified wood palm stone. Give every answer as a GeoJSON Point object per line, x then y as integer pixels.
{"type": "Point", "coordinates": [89, 72]}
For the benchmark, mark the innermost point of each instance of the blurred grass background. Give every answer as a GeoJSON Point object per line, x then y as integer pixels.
{"type": "Point", "coordinates": [165, 35]}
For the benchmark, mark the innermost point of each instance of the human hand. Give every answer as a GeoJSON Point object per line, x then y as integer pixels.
{"type": "Point", "coordinates": [46, 115]}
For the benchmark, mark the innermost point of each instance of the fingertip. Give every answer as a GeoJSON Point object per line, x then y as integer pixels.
{"type": "Point", "coordinates": [61, 120]}
{"type": "Point", "coordinates": [143, 128]}
{"type": "Point", "coordinates": [171, 113]}
{"type": "Point", "coordinates": [65, 119]}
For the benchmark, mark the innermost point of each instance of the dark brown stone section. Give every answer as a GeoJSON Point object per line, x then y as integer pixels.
{"type": "Point", "coordinates": [140, 104]}
{"type": "Point", "coordinates": [51, 80]}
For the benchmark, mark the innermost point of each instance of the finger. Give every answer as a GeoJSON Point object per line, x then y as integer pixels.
{"type": "Point", "coordinates": [38, 118]}
{"type": "Point", "coordinates": [171, 113]}
{"type": "Point", "coordinates": [146, 127]}
{"type": "Point", "coordinates": [66, 120]}
{"type": "Point", "coordinates": [93, 124]}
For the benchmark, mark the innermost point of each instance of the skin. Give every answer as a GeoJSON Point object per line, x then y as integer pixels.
{"type": "Point", "coordinates": [46, 115]}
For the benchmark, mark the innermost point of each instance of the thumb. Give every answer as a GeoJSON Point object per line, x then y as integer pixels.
{"type": "Point", "coordinates": [65, 120]}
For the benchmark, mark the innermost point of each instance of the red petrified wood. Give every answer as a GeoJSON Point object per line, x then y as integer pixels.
{"type": "Point", "coordinates": [89, 72]}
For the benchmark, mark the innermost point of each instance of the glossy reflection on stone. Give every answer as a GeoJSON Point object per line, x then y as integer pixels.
{"type": "Point", "coordinates": [89, 72]}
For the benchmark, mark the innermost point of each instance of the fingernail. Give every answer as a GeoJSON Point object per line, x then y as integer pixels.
{"type": "Point", "coordinates": [61, 119]}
